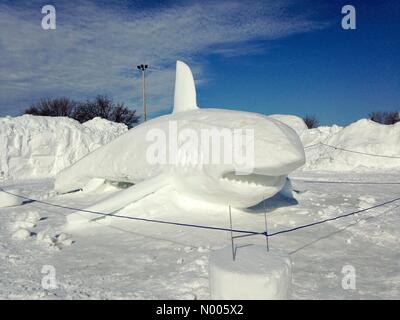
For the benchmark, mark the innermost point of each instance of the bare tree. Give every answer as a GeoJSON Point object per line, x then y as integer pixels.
{"type": "Point", "coordinates": [376, 116]}
{"type": "Point", "coordinates": [102, 106]}
{"type": "Point", "coordinates": [122, 114]}
{"type": "Point", "coordinates": [390, 117]}
{"type": "Point", "coordinates": [311, 121]}
{"type": "Point", "coordinates": [59, 107]}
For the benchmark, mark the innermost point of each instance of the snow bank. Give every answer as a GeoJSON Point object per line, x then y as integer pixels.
{"type": "Point", "coordinates": [363, 136]}
{"type": "Point", "coordinates": [37, 147]}
{"type": "Point", "coordinates": [255, 274]}
{"type": "Point", "coordinates": [313, 136]}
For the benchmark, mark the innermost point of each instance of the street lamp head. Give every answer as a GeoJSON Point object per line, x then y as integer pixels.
{"type": "Point", "coordinates": [142, 67]}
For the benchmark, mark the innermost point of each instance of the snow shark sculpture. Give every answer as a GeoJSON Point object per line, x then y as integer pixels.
{"type": "Point", "coordinates": [277, 151]}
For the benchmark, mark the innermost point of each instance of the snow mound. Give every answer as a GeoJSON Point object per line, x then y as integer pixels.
{"type": "Point", "coordinates": [39, 147]}
{"type": "Point", "coordinates": [363, 137]}
{"type": "Point", "coordinates": [313, 136]}
{"type": "Point", "coordinates": [21, 234]}
{"type": "Point", "coordinates": [28, 220]}
{"type": "Point", "coordinates": [255, 274]}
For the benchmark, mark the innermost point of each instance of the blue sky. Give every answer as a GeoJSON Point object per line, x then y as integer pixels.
{"type": "Point", "coordinates": [288, 57]}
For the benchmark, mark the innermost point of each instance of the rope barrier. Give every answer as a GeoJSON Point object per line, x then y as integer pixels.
{"type": "Point", "coordinates": [332, 219]}
{"type": "Point", "coordinates": [359, 152]}
{"type": "Point", "coordinates": [312, 145]}
{"type": "Point", "coordinates": [134, 218]}
{"type": "Point", "coordinates": [352, 151]}
{"type": "Point", "coordinates": [248, 232]}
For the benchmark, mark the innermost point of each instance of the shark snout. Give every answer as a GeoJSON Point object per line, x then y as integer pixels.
{"type": "Point", "coordinates": [280, 162]}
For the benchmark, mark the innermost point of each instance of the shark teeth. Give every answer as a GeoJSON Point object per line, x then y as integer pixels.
{"type": "Point", "coordinates": [252, 180]}
{"type": "Point", "coordinates": [243, 183]}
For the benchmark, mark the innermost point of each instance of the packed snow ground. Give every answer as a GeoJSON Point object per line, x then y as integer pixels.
{"type": "Point", "coordinates": [119, 259]}
{"type": "Point", "coordinates": [129, 259]}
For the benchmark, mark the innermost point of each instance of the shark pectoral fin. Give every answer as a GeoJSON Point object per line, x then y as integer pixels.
{"type": "Point", "coordinates": [117, 201]}
{"type": "Point", "coordinates": [287, 189]}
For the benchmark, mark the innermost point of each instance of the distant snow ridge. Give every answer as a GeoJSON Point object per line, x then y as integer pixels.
{"type": "Point", "coordinates": [364, 136]}
{"type": "Point", "coordinates": [39, 147]}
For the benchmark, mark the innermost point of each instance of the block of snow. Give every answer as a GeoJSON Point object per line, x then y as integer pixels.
{"type": "Point", "coordinates": [32, 217]}
{"type": "Point", "coordinates": [27, 221]}
{"type": "Point", "coordinates": [44, 237]}
{"type": "Point", "coordinates": [64, 239]}
{"type": "Point", "coordinates": [8, 200]}
{"type": "Point", "coordinates": [21, 234]}
{"type": "Point", "coordinates": [255, 274]}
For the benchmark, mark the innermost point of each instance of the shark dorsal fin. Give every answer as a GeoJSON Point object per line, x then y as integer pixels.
{"type": "Point", "coordinates": [185, 90]}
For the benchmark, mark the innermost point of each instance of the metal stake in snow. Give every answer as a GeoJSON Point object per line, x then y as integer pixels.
{"type": "Point", "coordinates": [233, 246]}
{"type": "Point", "coordinates": [142, 68]}
{"type": "Point", "coordinates": [266, 225]}
{"type": "Point", "coordinates": [244, 235]}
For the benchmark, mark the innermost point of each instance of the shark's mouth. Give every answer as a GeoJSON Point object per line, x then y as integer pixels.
{"type": "Point", "coordinates": [253, 180]}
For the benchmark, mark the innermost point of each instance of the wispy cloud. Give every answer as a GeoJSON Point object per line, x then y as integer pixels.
{"type": "Point", "coordinates": [96, 47]}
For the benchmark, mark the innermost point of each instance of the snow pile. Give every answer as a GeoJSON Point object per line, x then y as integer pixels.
{"type": "Point", "coordinates": [28, 220]}
{"type": "Point", "coordinates": [47, 238]}
{"type": "Point", "coordinates": [366, 202]}
{"type": "Point", "coordinates": [255, 274]}
{"type": "Point", "coordinates": [8, 200]}
{"type": "Point", "coordinates": [314, 136]}
{"type": "Point", "coordinates": [37, 147]}
{"type": "Point", "coordinates": [363, 136]}
{"type": "Point", "coordinates": [21, 234]}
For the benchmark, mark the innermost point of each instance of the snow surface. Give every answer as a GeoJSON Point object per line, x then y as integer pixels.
{"type": "Point", "coordinates": [255, 274]}
{"type": "Point", "coordinates": [7, 200]}
{"type": "Point", "coordinates": [39, 147]}
{"type": "Point", "coordinates": [119, 259]}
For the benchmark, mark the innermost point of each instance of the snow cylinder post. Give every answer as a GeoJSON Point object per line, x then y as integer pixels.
{"type": "Point", "coordinates": [255, 274]}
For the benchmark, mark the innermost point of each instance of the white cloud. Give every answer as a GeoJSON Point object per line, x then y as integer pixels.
{"type": "Point", "coordinates": [95, 48]}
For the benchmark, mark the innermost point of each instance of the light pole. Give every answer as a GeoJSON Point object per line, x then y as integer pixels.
{"type": "Point", "coordinates": [142, 68]}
